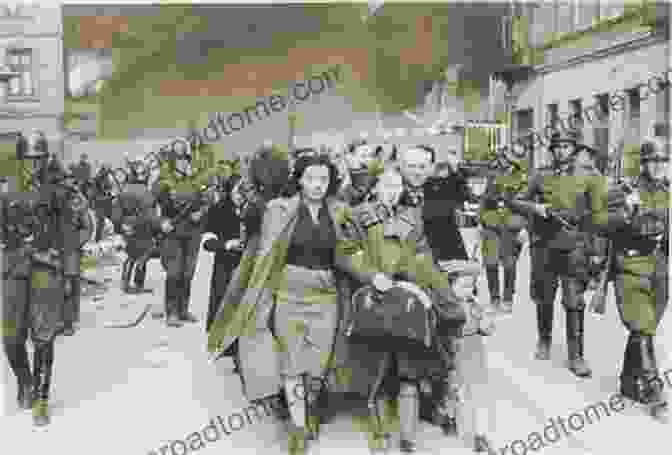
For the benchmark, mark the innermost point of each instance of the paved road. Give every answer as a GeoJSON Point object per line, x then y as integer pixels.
{"type": "Point", "coordinates": [132, 391]}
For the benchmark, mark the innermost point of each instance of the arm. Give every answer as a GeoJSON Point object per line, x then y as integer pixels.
{"type": "Point", "coordinates": [524, 204]}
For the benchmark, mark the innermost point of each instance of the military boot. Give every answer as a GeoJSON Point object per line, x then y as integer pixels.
{"type": "Point", "coordinates": [577, 363]}
{"type": "Point", "coordinates": [44, 361]}
{"type": "Point", "coordinates": [545, 330]}
{"type": "Point", "coordinates": [652, 386]}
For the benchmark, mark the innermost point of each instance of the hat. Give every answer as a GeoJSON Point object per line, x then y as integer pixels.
{"type": "Point", "coordinates": [460, 267]}
{"type": "Point", "coordinates": [652, 150]}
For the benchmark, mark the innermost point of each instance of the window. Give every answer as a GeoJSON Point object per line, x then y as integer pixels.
{"type": "Point", "coordinates": [576, 112]}
{"type": "Point", "coordinates": [524, 121]}
{"type": "Point", "coordinates": [587, 12]}
{"type": "Point", "coordinates": [633, 116]}
{"type": "Point", "coordinates": [601, 130]}
{"type": "Point", "coordinates": [564, 16]}
{"type": "Point", "coordinates": [610, 8]}
{"type": "Point", "coordinates": [662, 111]}
{"type": "Point", "coordinates": [552, 115]}
{"type": "Point", "coordinates": [21, 61]}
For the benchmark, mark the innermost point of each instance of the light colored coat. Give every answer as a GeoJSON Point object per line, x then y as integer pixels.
{"type": "Point", "coordinates": [247, 304]}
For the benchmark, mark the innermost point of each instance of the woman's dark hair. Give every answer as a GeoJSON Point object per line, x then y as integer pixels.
{"type": "Point", "coordinates": [304, 162]}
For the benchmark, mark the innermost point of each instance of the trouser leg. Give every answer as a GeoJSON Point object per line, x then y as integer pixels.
{"type": "Point", "coordinates": [509, 283]}
{"type": "Point", "coordinates": [72, 288]}
{"type": "Point", "coordinates": [171, 260]}
{"type": "Point", "coordinates": [140, 272]}
{"type": "Point", "coordinates": [574, 304]}
{"type": "Point", "coordinates": [126, 271]}
{"type": "Point", "coordinates": [43, 361]}
{"type": "Point", "coordinates": [492, 275]}
{"type": "Point", "coordinates": [17, 356]}
{"type": "Point", "coordinates": [191, 248]}
{"type": "Point", "coordinates": [544, 330]}
{"type": "Point", "coordinates": [408, 415]}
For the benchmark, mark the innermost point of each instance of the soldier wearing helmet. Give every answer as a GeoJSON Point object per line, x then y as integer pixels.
{"type": "Point", "coordinates": [562, 204]}
{"type": "Point", "coordinates": [639, 230]}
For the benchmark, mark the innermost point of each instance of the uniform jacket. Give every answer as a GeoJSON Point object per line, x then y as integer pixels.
{"type": "Point", "coordinates": [579, 200]}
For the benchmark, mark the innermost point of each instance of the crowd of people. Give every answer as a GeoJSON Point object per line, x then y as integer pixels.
{"type": "Point", "coordinates": [349, 275]}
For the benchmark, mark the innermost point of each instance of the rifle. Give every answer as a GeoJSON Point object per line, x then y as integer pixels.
{"type": "Point", "coordinates": [598, 302]}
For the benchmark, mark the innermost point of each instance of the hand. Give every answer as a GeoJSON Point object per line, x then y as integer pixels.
{"type": "Point", "coordinates": [523, 237]}
{"type": "Point", "coordinates": [382, 282]}
{"type": "Point", "coordinates": [127, 229]}
{"type": "Point", "coordinates": [167, 226]}
{"type": "Point", "coordinates": [233, 244]}
{"type": "Point", "coordinates": [541, 210]}
{"type": "Point", "coordinates": [196, 216]}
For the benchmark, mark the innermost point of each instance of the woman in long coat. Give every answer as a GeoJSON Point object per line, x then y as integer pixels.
{"type": "Point", "coordinates": [286, 299]}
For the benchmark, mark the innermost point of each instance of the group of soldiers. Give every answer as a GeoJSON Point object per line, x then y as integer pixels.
{"type": "Point", "coordinates": [587, 230]}
{"type": "Point", "coordinates": [584, 232]}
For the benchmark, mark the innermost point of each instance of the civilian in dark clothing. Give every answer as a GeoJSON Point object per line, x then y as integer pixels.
{"type": "Point", "coordinates": [223, 221]}
{"type": "Point", "coordinates": [443, 195]}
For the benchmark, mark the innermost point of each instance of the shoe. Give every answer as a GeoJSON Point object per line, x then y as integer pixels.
{"type": "Point", "coordinates": [483, 445]}
{"type": "Point", "coordinates": [173, 321]}
{"type": "Point", "coordinates": [188, 317]}
{"type": "Point", "coordinates": [41, 413]}
{"type": "Point", "coordinates": [158, 314]}
{"type": "Point", "coordinates": [43, 361]}
{"type": "Point", "coordinates": [543, 349]}
{"type": "Point", "coordinates": [576, 362]}
{"type": "Point", "coordinates": [407, 446]}
{"type": "Point", "coordinates": [25, 397]}
{"type": "Point", "coordinates": [68, 331]}
{"type": "Point", "coordinates": [297, 440]}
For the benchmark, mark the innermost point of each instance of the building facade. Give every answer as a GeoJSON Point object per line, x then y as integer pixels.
{"type": "Point", "coordinates": [31, 74]}
{"type": "Point", "coordinates": [596, 66]}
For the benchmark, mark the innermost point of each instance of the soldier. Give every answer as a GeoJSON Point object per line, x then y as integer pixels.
{"type": "Point", "coordinates": [135, 219]}
{"type": "Point", "coordinates": [500, 241]}
{"type": "Point", "coordinates": [562, 203]}
{"type": "Point", "coordinates": [360, 156]}
{"type": "Point", "coordinates": [76, 230]}
{"type": "Point", "coordinates": [640, 233]}
{"type": "Point", "coordinates": [184, 203]}
{"type": "Point", "coordinates": [35, 288]}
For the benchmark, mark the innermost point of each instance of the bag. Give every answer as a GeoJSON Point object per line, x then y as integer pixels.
{"type": "Point", "coordinates": [399, 319]}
